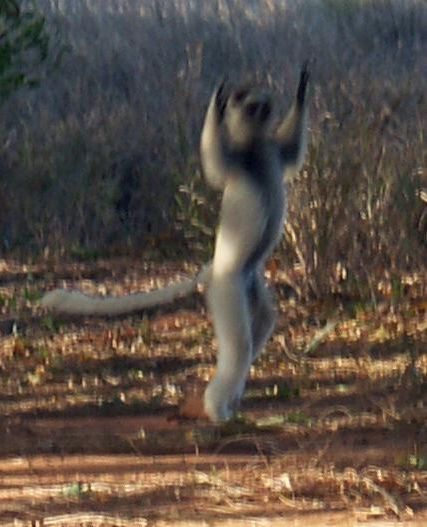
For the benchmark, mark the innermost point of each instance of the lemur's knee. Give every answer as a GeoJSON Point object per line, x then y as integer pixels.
{"type": "Point", "coordinates": [263, 322]}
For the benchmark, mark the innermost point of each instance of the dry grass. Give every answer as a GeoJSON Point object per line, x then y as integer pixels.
{"type": "Point", "coordinates": [103, 155]}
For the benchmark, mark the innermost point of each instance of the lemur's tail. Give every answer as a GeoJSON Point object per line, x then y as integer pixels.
{"type": "Point", "coordinates": [77, 303]}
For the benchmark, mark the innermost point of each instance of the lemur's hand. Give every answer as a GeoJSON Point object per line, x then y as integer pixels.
{"type": "Point", "coordinates": [303, 81]}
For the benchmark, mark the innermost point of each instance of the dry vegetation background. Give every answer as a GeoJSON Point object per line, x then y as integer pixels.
{"type": "Point", "coordinates": [103, 155]}
{"type": "Point", "coordinates": [100, 159]}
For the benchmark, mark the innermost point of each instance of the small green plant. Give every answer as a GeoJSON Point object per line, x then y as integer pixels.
{"type": "Point", "coordinates": [24, 45]}
{"type": "Point", "coordinates": [418, 462]}
{"type": "Point", "coordinates": [298, 418]}
{"type": "Point", "coordinates": [195, 211]}
{"type": "Point", "coordinates": [413, 461]}
{"type": "Point", "coordinates": [50, 323]}
{"type": "Point", "coordinates": [77, 490]}
{"type": "Point", "coordinates": [42, 353]}
{"type": "Point", "coordinates": [136, 374]}
{"type": "Point", "coordinates": [32, 295]}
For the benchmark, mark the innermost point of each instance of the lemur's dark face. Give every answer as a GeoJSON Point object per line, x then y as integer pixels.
{"type": "Point", "coordinates": [247, 115]}
{"type": "Point", "coordinates": [256, 106]}
{"type": "Point", "coordinates": [258, 111]}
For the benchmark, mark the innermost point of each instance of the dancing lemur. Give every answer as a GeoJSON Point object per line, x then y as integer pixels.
{"type": "Point", "coordinates": [242, 158]}
{"type": "Point", "coordinates": [248, 162]}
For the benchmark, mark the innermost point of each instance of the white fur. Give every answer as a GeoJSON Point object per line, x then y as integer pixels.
{"type": "Point", "coordinates": [77, 303]}
{"type": "Point", "coordinates": [242, 226]}
{"type": "Point", "coordinates": [240, 158]}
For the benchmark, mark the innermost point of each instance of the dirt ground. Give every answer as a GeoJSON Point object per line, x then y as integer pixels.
{"type": "Point", "coordinates": [100, 420]}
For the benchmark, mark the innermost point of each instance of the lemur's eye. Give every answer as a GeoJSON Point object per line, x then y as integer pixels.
{"type": "Point", "coordinates": [252, 108]}
{"type": "Point", "coordinates": [241, 94]}
{"type": "Point", "coordinates": [261, 110]}
{"type": "Point", "coordinates": [265, 111]}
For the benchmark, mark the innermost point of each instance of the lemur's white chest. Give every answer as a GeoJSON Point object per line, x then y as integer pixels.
{"type": "Point", "coordinates": [250, 220]}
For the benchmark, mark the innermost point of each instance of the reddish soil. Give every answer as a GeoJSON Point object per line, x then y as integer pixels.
{"type": "Point", "coordinates": [93, 430]}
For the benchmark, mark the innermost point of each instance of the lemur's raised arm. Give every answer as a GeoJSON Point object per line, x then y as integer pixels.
{"type": "Point", "coordinates": [291, 135]}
